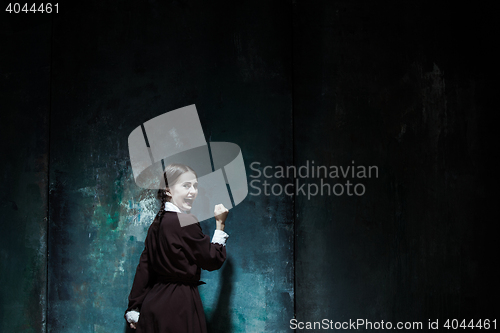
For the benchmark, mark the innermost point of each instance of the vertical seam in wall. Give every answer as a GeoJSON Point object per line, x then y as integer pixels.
{"type": "Point", "coordinates": [293, 163]}
{"type": "Point", "coordinates": [46, 319]}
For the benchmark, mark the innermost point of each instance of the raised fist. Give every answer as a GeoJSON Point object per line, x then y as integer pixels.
{"type": "Point", "coordinates": [220, 213]}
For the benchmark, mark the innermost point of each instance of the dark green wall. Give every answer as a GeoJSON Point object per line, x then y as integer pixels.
{"type": "Point", "coordinates": [402, 86]}
{"type": "Point", "coordinates": [24, 133]}
{"type": "Point", "coordinates": [142, 61]}
{"type": "Point", "coordinates": [398, 85]}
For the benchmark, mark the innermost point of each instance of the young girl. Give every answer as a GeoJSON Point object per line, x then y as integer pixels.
{"type": "Point", "coordinates": [164, 296]}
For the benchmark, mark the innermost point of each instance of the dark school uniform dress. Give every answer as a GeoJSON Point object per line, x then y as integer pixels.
{"type": "Point", "coordinates": [165, 288]}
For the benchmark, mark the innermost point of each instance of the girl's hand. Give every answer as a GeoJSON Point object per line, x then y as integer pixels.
{"type": "Point", "coordinates": [220, 213]}
{"type": "Point", "coordinates": [132, 318]}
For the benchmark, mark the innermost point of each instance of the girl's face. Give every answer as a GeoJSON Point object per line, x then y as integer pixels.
{"type": "Point", "coordinates": [184, 191]}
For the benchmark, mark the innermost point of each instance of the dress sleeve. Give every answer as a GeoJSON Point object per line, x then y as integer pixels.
{"type": "Point", "coordinates": [199, 249]}
{"type": "Point", "coordinates": [143, 278]}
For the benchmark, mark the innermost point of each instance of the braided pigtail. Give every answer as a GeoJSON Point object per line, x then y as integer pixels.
{"type": "Point", "coordinates": [163, 197]}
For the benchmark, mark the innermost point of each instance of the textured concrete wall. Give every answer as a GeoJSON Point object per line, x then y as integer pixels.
{"type": "Point", "coordinates": [117, 68]}
{"type": "Point", "coordinates": [398, 85]}
{"type": "Point", "coordinates": [24, 108]}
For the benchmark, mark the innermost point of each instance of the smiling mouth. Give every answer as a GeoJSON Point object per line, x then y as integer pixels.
{"type": "Point", "coordinates": [189, 201]}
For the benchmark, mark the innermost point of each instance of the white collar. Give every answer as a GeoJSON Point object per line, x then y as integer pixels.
{"type": "Point", "coordinates": [170, 207]}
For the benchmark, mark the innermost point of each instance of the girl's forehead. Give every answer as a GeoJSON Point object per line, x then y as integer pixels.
{"type": "Point", "coordinates": [188, 177]}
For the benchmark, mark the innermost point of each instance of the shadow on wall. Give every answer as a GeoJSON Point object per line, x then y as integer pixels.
{"type": "Point", "coordinates": [221, 318]}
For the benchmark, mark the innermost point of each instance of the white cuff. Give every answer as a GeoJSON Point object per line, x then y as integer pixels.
{"type": "Point", "coordinates": [132, 316]}
{"type": "Point", "coordinates": [220, 237]}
